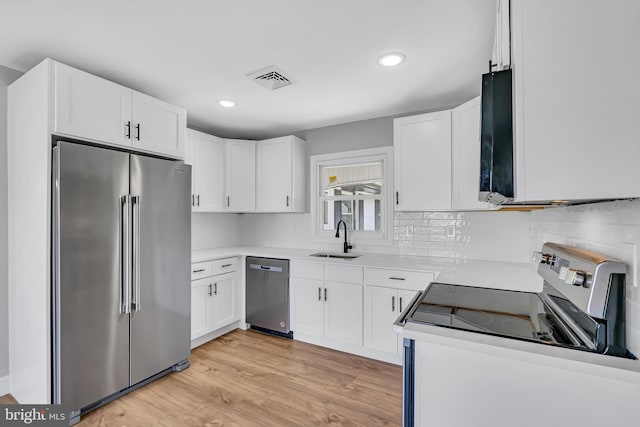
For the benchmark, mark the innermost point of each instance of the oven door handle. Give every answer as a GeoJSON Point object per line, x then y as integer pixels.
{"type": "Point", "coordinates": [400, 322]}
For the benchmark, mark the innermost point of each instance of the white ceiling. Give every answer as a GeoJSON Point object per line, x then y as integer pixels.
{"type": "Point", "coordinates": [194, 52]}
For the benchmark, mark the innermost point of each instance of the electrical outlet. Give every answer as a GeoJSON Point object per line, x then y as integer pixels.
{"type": "Point", "coordinates": [630, 252]}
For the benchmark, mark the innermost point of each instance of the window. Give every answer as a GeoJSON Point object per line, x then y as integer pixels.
{"type": "Point", "coordinates": [352, 187]}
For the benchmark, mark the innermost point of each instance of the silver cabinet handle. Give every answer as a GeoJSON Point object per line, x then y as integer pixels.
{"type": "Point", "coordinates": [287, 201]}
{"type": "Point", "coordinates": [193, 202]}
{"type": "Point", "coordinates": [226, 265]}
{"type": "Point", "coordinates": [198, 200]}
{"type": "Point", "coordinates": [325, 294]}
{"type": "Point", "coordinates": [400, 308]}
{"type": "Point", "coordinates": [215, 289]}
{"type": "Point", "coordinates": [136, 253]}
{"type": "Point", "coordinates": [200, 270]}
{"type": "Point", "coordinates": [393, 303]}
{"type": "Point", "coordinates": [129, 129]}
{"type": "Point", "coordinates": [396, 278]}
{"type": "Point", "coordinates": [228, 201]}
{"type": "Point", "coordinates": [138, 129]}
{"type": "Point", "coordinates": [210, 290]}
{"type": "Point", "coordinates": [319, 294]}
{"type": "Point", "coordinates": [125, 254]}
{"type": "Point", "coordinates": [397, 197]}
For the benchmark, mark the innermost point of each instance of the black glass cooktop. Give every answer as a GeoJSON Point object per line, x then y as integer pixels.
{"type": "Point", "coordinates": [511, 314]}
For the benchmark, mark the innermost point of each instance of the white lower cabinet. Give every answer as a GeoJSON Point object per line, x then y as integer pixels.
{"type": "Point", "coordinates": [308, 306]}
{"type": "Point", "coordinates": [325, 309]}
{"type": "Point", "coordinates": [382, 306]}
{"type": "Point", "coordinates": [343, 312]}
{"type": "Point", "coordinates": [214, 298]}
{"type": "Point", "coordinates": [200, 307]}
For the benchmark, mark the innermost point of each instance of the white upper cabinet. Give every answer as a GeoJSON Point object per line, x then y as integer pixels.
{"type": "Point", "coordinates": [465, 153]}
{"type": "Point", "coordinates": [240, 176]}
{"type": "Point", "coordinates": [422, 162]}
{"type": "Point", "coordinates": [89, 107]}
{"type": "Point", "coordinates": [205, 154]}
{"type": "Point", "coordinates": [281, 175]}
{"type": "Point", "coordinates": [158, 126]}
{"type": "Point", "coordinates": [576, 88]}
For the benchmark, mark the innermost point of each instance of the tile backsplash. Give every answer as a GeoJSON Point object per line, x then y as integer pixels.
{"type": "Point", "coordinates": [476, 235]}
{"type": "Point", "coordinates": [611, 228]}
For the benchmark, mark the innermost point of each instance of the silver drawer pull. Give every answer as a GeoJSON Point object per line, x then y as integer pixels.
{"type": "Point", "coordinates": [396, 278]}
{"type": "Point", "coordinates": [226, 265]}
{"type": "Point", "coordinates": [198, 271]}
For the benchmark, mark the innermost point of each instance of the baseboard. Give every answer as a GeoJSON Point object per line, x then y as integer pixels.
{"type": "Point", "coordinates": [352, 349]}
{"type": "Point", "coordinates": [4, 385]}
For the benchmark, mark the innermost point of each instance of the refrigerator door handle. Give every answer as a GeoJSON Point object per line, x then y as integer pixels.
{"type": "Point", "coordinates": [136, 306]}
{"type": "Point", "coordinates": [125, 256]}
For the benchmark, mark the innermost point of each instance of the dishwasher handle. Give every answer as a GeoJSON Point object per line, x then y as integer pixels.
{"type": "Point", "coordinates": [265, 268]}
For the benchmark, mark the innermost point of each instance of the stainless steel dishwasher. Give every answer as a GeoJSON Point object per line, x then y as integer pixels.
{"type": "Point", "coordinates": [267, 300]}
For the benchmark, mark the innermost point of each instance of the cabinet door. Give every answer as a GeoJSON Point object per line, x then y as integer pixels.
{"type": "Point", "coordinates": [274, 175]}
{"type": "Point", "coordinates": [206, 152]}
{"type": "Point", "coordinates": [422, 162]}
{"type": "Point", "coordinates": [404, 298]}
{"type": "Point", "coordinates": [380, 311]}
{"type": "Point", "coordinates": [90, 107]}
{"type": "Point", "coordinates": [465, 148]}
{"type": "Point", "coordinates": [343, 312]}
{"type": "Point", "coordinates": [158, 126]}
{"type": "Point", "coordinates": [307, 307]}
{"type": "Point", "coordinates": [223, 310]}
{"type": "Point", "coordinates": [240, 176]}
{"type": "Point", "coordinates": [201, 307]}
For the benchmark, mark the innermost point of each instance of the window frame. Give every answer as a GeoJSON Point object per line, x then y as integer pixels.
{"type": "Point", "coordinates": [370, 155]}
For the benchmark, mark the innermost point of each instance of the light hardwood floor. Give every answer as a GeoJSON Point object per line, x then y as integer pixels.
{"type": "Point", "coordinates": [250, 379]}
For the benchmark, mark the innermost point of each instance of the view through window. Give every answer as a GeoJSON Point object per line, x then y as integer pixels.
{"type": "Point", "coordinates": [352, 193]}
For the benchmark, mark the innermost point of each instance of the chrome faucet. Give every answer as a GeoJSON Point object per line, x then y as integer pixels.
{"type": "Point", "coordinates": [347, 246]}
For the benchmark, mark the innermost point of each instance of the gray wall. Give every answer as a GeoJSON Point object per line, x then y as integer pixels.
{"type": "Point", "coordinates": [352, 136]}
{"type": "Point", "coordinates": [7, 76]}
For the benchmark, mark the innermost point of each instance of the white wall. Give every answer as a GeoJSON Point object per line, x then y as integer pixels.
{"type": "Point", "coordinates": [7, 76]}
{"type": "Point", "coordinates": [213, 230]}
{"type": "Point", "coordinates": [602, 227]}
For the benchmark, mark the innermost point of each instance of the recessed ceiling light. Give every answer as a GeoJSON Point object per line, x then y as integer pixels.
{"type": "Point", "coordinates": [227, 103]}
{"type": "Point", "coordinates": [391, 59]}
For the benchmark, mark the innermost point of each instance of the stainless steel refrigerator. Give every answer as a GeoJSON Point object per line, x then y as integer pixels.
{"type": "Point", "coordinates": [121, 264]}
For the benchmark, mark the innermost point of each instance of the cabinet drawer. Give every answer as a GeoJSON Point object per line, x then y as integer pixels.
{"type": "Point", "coordinates": [343, 273]}
{"type": "Point", "coordinates": [225, 265]}
{"type": "Point", "coordinates": [401, 279]}
{"type": "Point", "coordinates": [201, 269]}
{"type": "Point", "coordinates": [306, 270]}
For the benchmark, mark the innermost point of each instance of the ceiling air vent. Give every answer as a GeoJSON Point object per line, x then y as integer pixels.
{"type": "Point", "coordinates": [271, 77]}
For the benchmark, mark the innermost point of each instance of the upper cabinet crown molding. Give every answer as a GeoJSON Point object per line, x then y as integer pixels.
{"type": "Point", "coordinates": [281, 175]}
{"type": "Point", "coordinates": [88, 107]}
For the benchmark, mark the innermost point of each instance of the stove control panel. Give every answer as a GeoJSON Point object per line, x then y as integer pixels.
{"type": "Point", "coordinates": [583, 277]}
{"type": "Point", "coordinates": [571, 276]}
{"type": "Point", "coordinates": [543, 258]}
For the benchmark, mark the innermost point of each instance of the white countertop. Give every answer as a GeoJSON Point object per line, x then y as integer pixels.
{"type": "Point", "coordinates": [487, 274]}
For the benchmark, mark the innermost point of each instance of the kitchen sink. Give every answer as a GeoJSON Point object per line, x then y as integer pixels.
{"type": "Point", "coordinates": [334, 255]}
